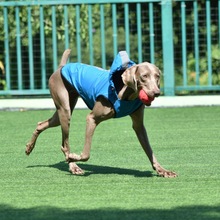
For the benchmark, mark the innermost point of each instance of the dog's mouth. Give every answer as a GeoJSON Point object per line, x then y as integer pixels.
{"type": "Point", "coordinates": [147, 99]}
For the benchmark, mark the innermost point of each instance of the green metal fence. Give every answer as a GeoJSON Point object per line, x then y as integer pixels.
{"type": "Point", "coordinates": [182, 37]}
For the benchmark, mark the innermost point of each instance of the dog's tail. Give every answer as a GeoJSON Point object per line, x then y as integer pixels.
{"type": "Point", "coordinates": [65, 57]}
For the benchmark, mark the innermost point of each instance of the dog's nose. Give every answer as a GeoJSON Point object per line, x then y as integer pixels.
{"type": "Point", "coordinates": [157, 92]}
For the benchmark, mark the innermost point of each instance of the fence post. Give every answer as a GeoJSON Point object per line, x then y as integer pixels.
{"type": "Point", "coordinates": [168, 53]}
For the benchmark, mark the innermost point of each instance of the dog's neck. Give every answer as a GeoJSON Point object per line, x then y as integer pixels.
{"type": "Point", "coordinates": [124, 92]}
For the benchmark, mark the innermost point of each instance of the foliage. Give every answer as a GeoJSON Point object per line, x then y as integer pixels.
{"type": "Point", "coordinates": [201, 77]}
{"type": "Point", "coordinates": [96, 53]}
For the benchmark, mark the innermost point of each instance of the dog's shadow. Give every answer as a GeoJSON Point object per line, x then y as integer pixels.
{"type": "Point", "coordinates": [97, 169]}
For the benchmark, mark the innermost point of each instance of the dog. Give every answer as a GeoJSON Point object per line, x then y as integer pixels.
{"type": "Point", "coordinates": [109, 94]}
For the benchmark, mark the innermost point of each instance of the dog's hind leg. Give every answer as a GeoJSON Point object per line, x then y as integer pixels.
{"type": "Point", "coordinates": [41, 126]}
{"type": "Point", "coordinates": [65, 102]}
{"type": "Point", "coordinates": [54, 121]}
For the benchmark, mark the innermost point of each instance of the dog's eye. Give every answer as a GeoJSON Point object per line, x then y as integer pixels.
{"type": "Point", "coordinates": [157, 77]}
{"type": "Point", "coordinates": [144, 76]}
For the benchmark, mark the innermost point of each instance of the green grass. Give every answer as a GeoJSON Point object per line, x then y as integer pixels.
{"type": "Point", "coordinates": [119, 182]}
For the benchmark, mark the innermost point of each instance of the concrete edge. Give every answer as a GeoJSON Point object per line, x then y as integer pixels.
{"type": "Point", "coordinates": [163, 101]}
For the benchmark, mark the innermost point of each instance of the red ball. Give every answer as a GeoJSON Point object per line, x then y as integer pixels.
{"type": "Point", "coordinates": [144, 97]}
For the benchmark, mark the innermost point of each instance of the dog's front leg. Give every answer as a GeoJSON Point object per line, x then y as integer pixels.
{"type": "Point", "coordinates": [102, 111]}
{"type": "Point", "coordinates": [138, 126]}
{"type": "Point", "coordinates": [91, 123]}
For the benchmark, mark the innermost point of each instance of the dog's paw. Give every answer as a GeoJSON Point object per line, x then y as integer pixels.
{"type": "Point", "coordinates": [74, 169]}
{"type": "Point", "coordinates": [29, 148]}
{"type": "Point", "coordinates": [167, 174]}
{"type": "Point", "coordinates": [72, 157]}
{"type": "Point", "coordinates": [163, 172]}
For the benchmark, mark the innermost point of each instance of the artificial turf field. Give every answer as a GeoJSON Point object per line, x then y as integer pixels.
{"type": "Point", "coordinates": [119, 182]}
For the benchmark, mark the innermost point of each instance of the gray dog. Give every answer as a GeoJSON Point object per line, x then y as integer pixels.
{"type": "Point", "coordinates": [109, 94]}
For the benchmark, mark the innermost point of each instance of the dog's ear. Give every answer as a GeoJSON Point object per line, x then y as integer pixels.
{"type": "Point", "coordinates": [130, 80]}
{"type": "Point", "coordinates": [130, 77]}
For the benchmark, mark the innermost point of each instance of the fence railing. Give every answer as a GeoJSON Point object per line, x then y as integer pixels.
{"type": "Point", "coordinates": [182, 37]}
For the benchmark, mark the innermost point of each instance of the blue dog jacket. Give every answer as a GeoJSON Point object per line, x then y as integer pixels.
{"type": "Point", "coordinates": [92, 82]}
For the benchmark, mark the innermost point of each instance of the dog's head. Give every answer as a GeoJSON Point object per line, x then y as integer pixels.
{"type": "Point", "coordinates": [144, 76]}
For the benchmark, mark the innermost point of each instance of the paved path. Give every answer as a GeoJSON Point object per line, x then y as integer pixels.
{"type": "Point", "coordinates": [47, 103]}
